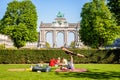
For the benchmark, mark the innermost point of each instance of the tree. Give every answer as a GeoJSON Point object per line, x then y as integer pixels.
{"type": "Point", "coordinates": [20, 22]}
{"type": "Point", "coordinates": [47, 45]}
{"type": "Point", "coordinates": [20, 35]}
{"type": "Point", "coordinates": [98, 26]}
{"type": "Point", "coordinates": [72, 44]}
{"type": "Point", "coordinates": [114, 6]}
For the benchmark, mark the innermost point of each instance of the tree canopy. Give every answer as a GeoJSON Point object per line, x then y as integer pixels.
{"type": "Point", "coordinates": [98, 26]}
{"type": "Point", "coordinates": [114, 6]}
{"type": "Point", "coordinates": [20, 22]}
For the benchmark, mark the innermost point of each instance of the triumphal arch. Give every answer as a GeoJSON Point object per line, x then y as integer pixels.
{"type": "Point", "coordinates": [59, 25]}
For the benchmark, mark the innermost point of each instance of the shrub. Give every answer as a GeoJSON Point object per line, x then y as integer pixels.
{"type": "Point", "coordinates": [35, 56]}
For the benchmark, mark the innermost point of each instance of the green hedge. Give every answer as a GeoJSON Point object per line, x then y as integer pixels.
{"type": "Point", "coordinates": [35, 56]}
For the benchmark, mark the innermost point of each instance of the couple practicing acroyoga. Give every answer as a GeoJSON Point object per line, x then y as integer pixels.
{"type": "Point", "coordinates": [70, 66]}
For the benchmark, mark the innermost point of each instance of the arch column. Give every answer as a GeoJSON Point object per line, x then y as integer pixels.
{"type": "Point", "coordinates": [77, 41]}
{"type": "Point", "coordinates": [65, 38]}
{"type": "Point", "coordinates": [42, 39]}
{"type": "Point", "coordinates": [39, 39]}
{"type": "Point", "coordinates": [54, 39]}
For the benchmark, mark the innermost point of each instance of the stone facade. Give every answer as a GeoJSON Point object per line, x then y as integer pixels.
{"type": "Point", "coordinates": [8, 43]}
{"type": "Point", "coordinates": [59, 25]}
{"type": "Point", "coordinates": [4, 39]}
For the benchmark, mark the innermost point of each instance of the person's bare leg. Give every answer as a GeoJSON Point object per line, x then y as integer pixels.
{"type": "Point", "coordinates": [70, 52]}
{"type": "Point", "coordinates": [64, 49]}
{"type": "Point", "coordinates": [80, 55]}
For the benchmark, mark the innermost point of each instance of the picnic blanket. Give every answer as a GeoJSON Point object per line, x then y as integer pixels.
{"type": "Point", "coordinates": [16, 69]}
{"type": "Point", "coordinates": [68, 70]}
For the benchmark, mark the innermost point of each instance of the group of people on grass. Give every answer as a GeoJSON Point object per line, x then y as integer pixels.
{"type": "Point", "coordinates": [63, 63]}
{"type": "Point", "coordinates": [56, 62]}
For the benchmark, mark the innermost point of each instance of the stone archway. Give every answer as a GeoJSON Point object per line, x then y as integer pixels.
{"type": "Point", "coordinates": [71, 37]}
{"type": "Point", "coordinates": [58, 25]}
{"type": "Point", "coordinates": [60, 39]}
{"type": "Point", "coordinates": [49, 38]}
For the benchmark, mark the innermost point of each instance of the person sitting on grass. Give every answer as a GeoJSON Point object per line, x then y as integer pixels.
{"type": "Point", "coordinates": [58, 60]}
{"type": "Point", "coordinates": [63, 64]}
{"type": "Point", "coordinates": [52, 62]}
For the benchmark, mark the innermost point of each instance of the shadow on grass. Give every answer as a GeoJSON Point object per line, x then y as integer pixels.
{"type": "Point", "coordinates": [92, 75]}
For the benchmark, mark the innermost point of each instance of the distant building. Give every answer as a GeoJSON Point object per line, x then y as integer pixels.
{"type": "Point", "coordinates": [6, 41]}
{"type": "Point", "coordinates": [59, 25]}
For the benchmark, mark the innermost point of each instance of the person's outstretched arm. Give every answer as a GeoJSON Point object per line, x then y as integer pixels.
{"type": "Point", "coordinates": [71, 58]}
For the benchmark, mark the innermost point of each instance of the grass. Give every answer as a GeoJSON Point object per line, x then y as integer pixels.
{"type": "Point", "coordinates": [95, 72]}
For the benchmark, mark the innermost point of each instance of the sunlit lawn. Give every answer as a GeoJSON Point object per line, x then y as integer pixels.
{"type": "Point", "coordinates": [95, 72]}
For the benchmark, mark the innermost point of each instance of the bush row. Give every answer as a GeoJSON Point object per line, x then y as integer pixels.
{"type": "Point", "coordinates": [35, 56]}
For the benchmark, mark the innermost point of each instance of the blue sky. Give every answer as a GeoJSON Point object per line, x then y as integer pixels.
{"type": "Point", "coordinates": [48, 9]}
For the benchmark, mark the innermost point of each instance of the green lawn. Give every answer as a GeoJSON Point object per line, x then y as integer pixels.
{"type": "Point", "coordinates": [95, 72]}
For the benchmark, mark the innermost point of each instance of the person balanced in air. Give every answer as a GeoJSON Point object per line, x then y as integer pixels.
{"type": "Point", "coordinates": [71, 53]}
